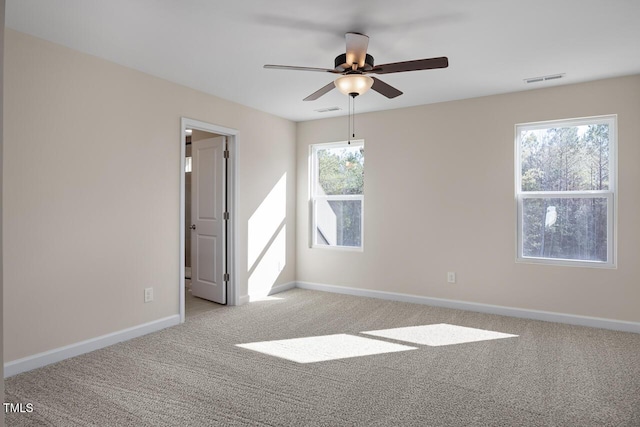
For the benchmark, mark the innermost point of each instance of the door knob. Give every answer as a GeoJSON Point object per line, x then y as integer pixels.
{"type": "Point", "coordinates": [193, 226]}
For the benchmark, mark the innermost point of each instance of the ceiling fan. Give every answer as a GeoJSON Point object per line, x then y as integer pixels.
{"type": "Point", "coordinates": [356, 63]}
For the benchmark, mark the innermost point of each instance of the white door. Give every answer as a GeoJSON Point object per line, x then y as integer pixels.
{"type": "Point", "coordinates": [208, 231]}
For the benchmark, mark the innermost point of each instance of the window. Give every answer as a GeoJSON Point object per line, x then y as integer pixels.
{"type": "Point", "coordinates": [337, 194]}
{"type": "Point", "coordinates": [565, 185]}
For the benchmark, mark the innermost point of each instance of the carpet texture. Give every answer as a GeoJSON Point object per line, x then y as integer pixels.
{"type": "Point", "coordinates": [195, 374]}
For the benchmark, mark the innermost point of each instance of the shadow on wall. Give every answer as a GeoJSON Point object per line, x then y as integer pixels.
{"type": "Point", "coordinates": [267, 241]}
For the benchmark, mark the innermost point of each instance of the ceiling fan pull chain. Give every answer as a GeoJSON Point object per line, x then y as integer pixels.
{"type": "Point", "coordinates": [354, 118]}
{"type": "Point", "coordinates": [349, 123]}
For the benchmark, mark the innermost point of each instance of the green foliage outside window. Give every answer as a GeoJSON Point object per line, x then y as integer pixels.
{"type": "Point", "coordinates": [565, 159]}
{"type": "Point", "coordinates": [341, 172]}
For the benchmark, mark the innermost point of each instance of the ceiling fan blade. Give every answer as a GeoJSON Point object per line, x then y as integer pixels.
{"type": "Point", "coordinates": [419, 64]}
{"type": "Point", "coordinates": [385, 89]}
{"type": "Point", "coordinates": [357, 45]}
{"type": "Point", "coordinates": [317, 94]}
{"type": "Point", "coordinates": [294, 68]}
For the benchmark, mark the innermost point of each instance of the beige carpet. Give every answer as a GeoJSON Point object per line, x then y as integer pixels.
{"type": "Point", "coordinates": [195, 374]}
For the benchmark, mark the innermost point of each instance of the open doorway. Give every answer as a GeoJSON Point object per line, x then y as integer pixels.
{"type": "Point", "coordinates": [207, 225]}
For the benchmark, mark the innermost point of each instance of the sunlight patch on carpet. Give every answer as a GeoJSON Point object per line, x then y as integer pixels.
{"type": "Point", "coordinates": [440, 334]}
{"type": "Point", "coordinates": [323, 348]}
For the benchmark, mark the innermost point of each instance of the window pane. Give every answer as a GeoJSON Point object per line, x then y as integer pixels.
{"type": "Point", "coordinates": [338, 222]}
{"type": "Point", "coordinates": [340, 170]}
{"type": "Point", "coordinates": [574, 229]}
{"type": "Point", "coordinates": [574, 158]}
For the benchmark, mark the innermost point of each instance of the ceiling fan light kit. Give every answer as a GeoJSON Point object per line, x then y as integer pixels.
{"type": "Point", "coordinates": [353, 84]}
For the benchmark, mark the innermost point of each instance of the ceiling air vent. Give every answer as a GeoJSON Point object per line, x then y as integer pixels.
{"type": "Point", "coordinates": [544, 78]}
{"type": "Point", "coordinates": [326, 110]}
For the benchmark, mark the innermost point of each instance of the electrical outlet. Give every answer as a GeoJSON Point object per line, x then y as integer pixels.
{"type": "Point", "coordinates": [451, 277]}
{"type": "Point", "coordinates": [148, 294]}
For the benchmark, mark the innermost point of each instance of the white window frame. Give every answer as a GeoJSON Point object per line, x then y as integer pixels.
{"type": "Point", "coordinates": [609, 195]}
{"type": "Point", "coordinates": [315, 198]}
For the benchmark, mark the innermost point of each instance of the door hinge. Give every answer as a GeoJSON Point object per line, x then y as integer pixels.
{"type": "Point", "coordinates": [226, 216]}
{"type": "Point", "coordinates": [225, 277]}
{"type": "Point", "coordinates": [226, 154]}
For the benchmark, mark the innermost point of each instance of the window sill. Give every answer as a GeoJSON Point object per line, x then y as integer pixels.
{"type": "Point", "coordinates": [566, 263]}
{"type": "Point", "coordinates": [338, 248]}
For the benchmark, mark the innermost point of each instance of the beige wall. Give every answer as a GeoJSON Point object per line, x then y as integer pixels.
{"type": "Point", "coordinates": [91, 192]}
{"type": "Point", "coordinates": [439, 196]}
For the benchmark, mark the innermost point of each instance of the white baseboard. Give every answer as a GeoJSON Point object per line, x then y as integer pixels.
{"type": "Point", "coordinates": [57, 354]}
{"type": "Point", "coordinates": [274, 290]}
{"type": "Point", "coordinates": [42, 359]}
{"type": "Point", "coordinates": [282, 288]}
{"type": "Point", "coordinates": [594, 322]}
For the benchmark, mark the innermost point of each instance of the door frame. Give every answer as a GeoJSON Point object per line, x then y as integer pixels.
{"type": "Point", "coordinates": [230, 179]}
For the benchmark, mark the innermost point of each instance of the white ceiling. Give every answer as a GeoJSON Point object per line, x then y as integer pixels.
{"type": "Point", "coordinates": [219, 47]}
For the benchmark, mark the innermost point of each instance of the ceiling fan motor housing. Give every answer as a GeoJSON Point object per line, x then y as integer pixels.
{"type": "Point", "coordinates": [341, 63]}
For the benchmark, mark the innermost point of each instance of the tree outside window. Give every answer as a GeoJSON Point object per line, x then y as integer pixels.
{"type": "Point", "coordinates": [337, 194]}
{"type": "Point", "coordinates": [565, 190]}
